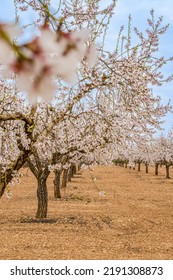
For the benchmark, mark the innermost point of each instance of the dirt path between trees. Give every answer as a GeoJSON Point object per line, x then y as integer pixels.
{"type": "Point", "coordinates": [134, 220]}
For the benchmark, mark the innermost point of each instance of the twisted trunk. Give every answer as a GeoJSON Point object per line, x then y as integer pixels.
{"type": "Point", "coordinates": [42, 196]}
{"type": "Point", "coordinates": [41, 175]}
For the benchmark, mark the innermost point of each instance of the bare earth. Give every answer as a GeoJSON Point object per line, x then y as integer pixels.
{"type": "Point", "coordinates": [133, 221]}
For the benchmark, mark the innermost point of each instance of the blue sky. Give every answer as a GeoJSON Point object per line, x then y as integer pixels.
{"type": "Point", "coordinates": [139, 9]}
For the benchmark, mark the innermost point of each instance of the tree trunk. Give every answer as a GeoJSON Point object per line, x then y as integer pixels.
{"type": "Point", "coordinates": [167, 171]}
{"type": "Point", "coordinates": [74, 169]}
{"type": "Point", "coordinates": [156, 169]}
{"type": "Point", "coordinates": [42, 200]}
{"type": "Point", "coordinates": [57, 193]}
{"type": "Point", "coordinates": [126, 164]}
{"type": "Point", "coordinates": [41, 175]}
{"type": "Point", "coordinates": [42, 195]}
{"type": "Point", "coordinates": [70, 173]}
{"type": "Point", "coordinates": [64, 179]}
{"type": "Point", "coordinates": [139, 166]}
{"type": "Point", "coordinates": [146, 167]}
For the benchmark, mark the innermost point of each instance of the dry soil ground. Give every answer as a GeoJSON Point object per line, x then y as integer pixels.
{"type": "Point", "coordinates": [133, 221]}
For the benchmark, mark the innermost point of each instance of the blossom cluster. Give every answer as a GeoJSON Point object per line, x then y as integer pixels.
{"type": "Point", "coordinates": [47, 57]}
{"type": "Point", "coordinates": [156, 150]}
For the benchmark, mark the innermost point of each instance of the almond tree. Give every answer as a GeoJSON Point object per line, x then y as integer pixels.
{"type": "Point", "coordinates": [164, 146]}
{"type": "Point", "coordinates": [35, 62]}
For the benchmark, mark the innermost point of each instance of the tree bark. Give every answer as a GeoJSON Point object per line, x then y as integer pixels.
{"type": "Point", "coordinates": [167, 171]}
{"type": "Point", "coordinates": [139, 166]}
{"type": "Point", "coordinates": [57, 193]}
{"type": "Point", "coordinates": [42, 197]}
{"type": "Point", "coordinates": [64, 179]}
{"type": "Point", "coordinates": [41, 175]}
{"type": "Point", "coordinates": [70, 173]}
{"type": "Point", "coordinates": [156, 169]}
{"type": "Point", "coordinates": [146, 167]}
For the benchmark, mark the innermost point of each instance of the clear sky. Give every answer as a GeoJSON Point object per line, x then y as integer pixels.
{"type": "Point", "coordinates": [139, 10]}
